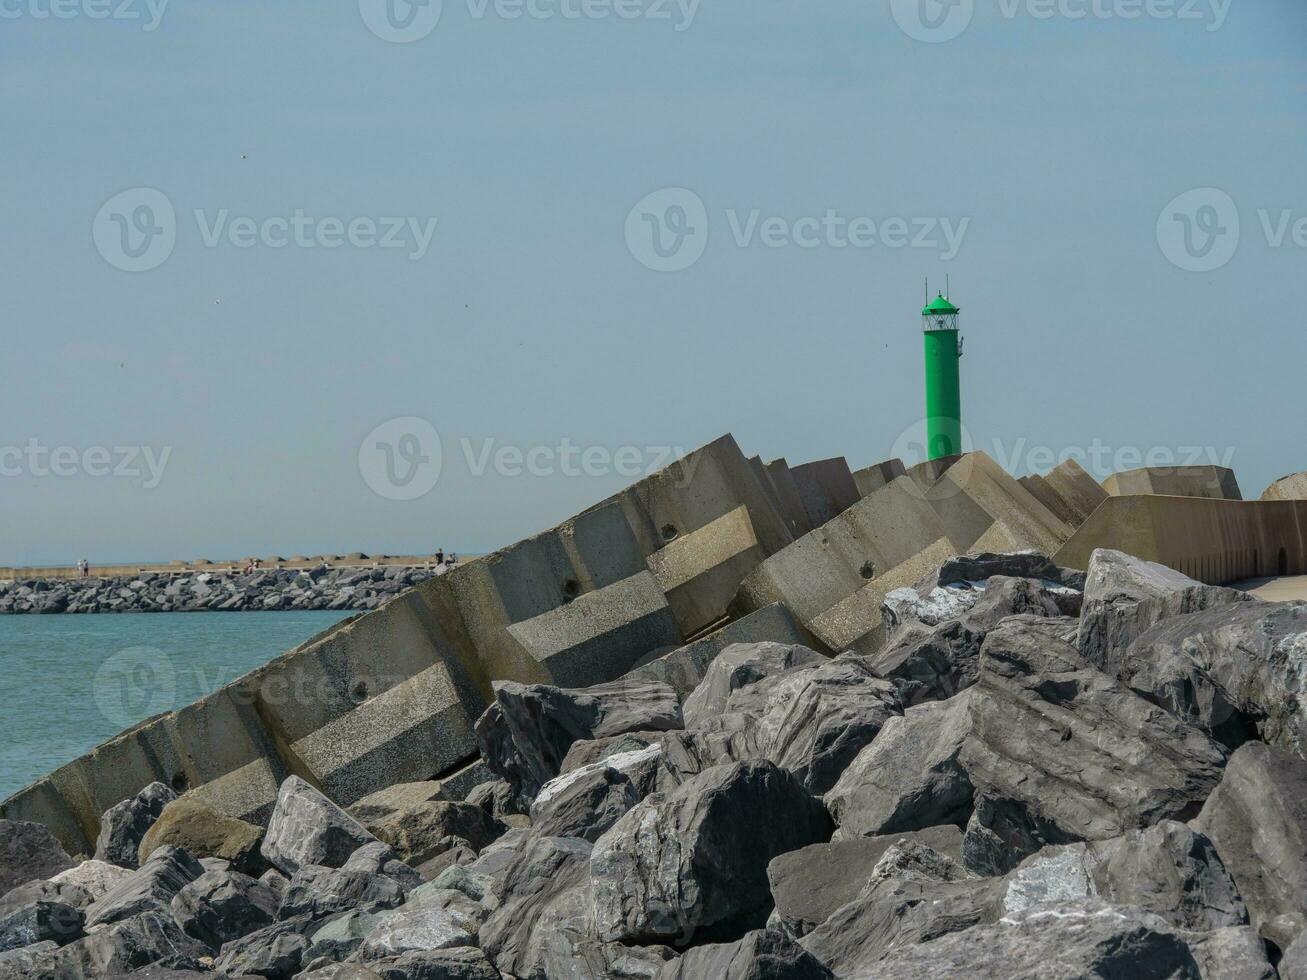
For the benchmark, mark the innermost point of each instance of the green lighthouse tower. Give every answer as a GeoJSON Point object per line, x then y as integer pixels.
{"type": "Point", "coordinates": [939, 324]}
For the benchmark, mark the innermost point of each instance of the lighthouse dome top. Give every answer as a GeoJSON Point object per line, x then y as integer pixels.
{"type": "Point", "coordinates": [939, 306]}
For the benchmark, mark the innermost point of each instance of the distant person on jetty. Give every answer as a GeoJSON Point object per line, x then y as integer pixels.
{"type": "Point", "coordinates": [440, 556]}
{"type": "Point", "coordinates": [83, 568]}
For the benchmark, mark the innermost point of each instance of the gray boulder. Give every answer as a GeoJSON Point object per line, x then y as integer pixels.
{"type": "Point", "coordinates": [1234, 671]}
{"type": "Point", "coordinates": [1293, 965]}
{"type": "Point", "coordinates": [116, 950]}
{"type": "Point", "coordinates": [913, 895]}
{"type": "Point", "coordinates": [737, 667]}
{"type": "Point", "coordinates": [151, 888]}
{"type": "Point", "coordinates": [41, 890]}
{"type": "Point", "coordinates": [220, 906]}
{"type": "Point", "coordinates": [94, 878]}
{"type": "Point", "coordinates": [29, 851]}
{"type": "Point", "coordinates": [395, 799]}
{"type": "Point", "coordinates": [420, 832]}
{"type": "Point", "coordinates": [418, 928]}
{"type": "Point", "coordinates": [307, 828]}
{"type": "Point", "coordinates": [39, 922]}
{"type": "Point", "coordinates": [123, 825]}
{"type": "Point", "coordinates": [461, 963]}
{"type": "Point", "coordinates": [1075, 941]}
{"type": "Point", "coordinates": [679, 865]}
{"type": "Point", "coordinates": [548, 872]}
{"type": "Point", "coordinates": [809, 884]}
{"type": "Point", "coordinates": [586, 802]}
{"type": "Point", "coordinates": [1257, 820]}
{"type": "Point", "coordinates": [525, 735]}
{"type": "Point", "coordinates": [1169, 870]}
{"type": "Point", "coordinates": [1125, 596]}
{"type": "Point", "coordinates": [275, 952]}
{"type": "Point", "coordinates": [372, 878]}
{"type": "Point", "coordinates": [338, 937]}
{"type": "Point", "coordinates": [759, 955]}
{"type": "Point", "coordinates": [207, 835]}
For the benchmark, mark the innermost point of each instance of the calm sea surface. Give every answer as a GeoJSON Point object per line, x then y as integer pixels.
{"type": "Point", "coordinates": [68, 683]}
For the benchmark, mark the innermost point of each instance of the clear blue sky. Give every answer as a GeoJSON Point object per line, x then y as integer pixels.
{"type": "Point", "coordinates": [529, 321]}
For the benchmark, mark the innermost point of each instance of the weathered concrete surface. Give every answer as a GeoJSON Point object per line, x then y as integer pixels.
{"type": "Point", "coordinates": [1073, 484]}
{"type": "Point", "coordinates": [826, 488]}
{"type": "Point", "coordinates": [1291, 487]}
{"type": "Point", "coordinates": [1041, 491]}
{"type": "Point", "coordinates": [975, 492]}
{"type": "Point", "coordinates": [872, 478]}
{"type": "Point", "coordinates": [599, 635]}
{"type": "Point", "coordinates": [700, 572]}
{"type": "Point", "coordinates": [838, 559]}
{"type": "Point", "coordinates": [1212, 482]}
{"type": "Point", "coordinates": [778, 482]}
{"type": "Point", "coordinates": [1213, 541]}
{"type": "Point", "coordinates": [685, 667]}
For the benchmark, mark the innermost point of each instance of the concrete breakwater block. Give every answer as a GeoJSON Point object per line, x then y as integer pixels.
{"type": "Point", "coordinates": [975, 492]}
{"type": "Point", "coordinates": [872, 478]}
{"type": "Point", "coordinates": [1082, 493]}
{"type": "Point", "coordinates": [1291, 487]}
{"type": "Point", "coordinates": [826, 488]}
{"type": "Point", "coordinates": [1212, 482]}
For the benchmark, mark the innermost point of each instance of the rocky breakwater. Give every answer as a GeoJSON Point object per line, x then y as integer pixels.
{"type": "Point", "coordinates": [263, 590]}
{"type": "Point", "coordinates": [1038, 777]}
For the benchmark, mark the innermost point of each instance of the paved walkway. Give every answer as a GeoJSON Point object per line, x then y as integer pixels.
{"type": "Point", "coordinates": [1275, 589]}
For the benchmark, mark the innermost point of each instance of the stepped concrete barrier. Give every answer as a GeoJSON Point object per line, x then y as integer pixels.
{"type": "Point", "coordinates": [1070, 481]}
{"type": "Point", "coordinates": [1213, 541]}
{"type": "Point", "coordinates": [838, 559]}
{"type": "Point", "coordinates": [1215, 482]}
{"type": "Point", "coordinates": [1041, 490]}
{"type": "Point", "coordinates": [872, 478]}
{"type": "Point", "coordinates": [786, 490]}
{"type": "Point", "coordinates": [974, 492]}
{"type": "Point", "coordinates": [826, 488]}
{"type": "Point", "coordinates": [1291, 487]}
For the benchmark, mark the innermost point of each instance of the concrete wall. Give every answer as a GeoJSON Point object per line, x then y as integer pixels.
{"type": "Point", "coordinates": [1214, 541]}
{"type": "Point", "coordinates": [1216, 482]}
{"type": "Point", "coordinates": [826, 488]}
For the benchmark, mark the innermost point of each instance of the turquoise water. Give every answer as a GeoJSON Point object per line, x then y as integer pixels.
{"type": "Point", "coordinates": [68, 683]}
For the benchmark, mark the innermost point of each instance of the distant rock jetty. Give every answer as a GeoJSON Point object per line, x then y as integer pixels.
{"type": "Point", "coordinates": [264, 590]}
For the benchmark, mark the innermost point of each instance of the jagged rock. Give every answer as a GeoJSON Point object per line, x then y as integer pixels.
{"type": "Point", "coordinates": [275, 880]}
{"type": "Point", "coordinates": [913, 895]}
{"type": "Point", "coordinates": [737, 667]}
{"type": "Point", "coordinates": [307, 828]}
{"type": "Point", "coordinates": [1235, 671]}
{"type": "Point", "coordinates": [393, 800]}
{"type": "Point", "coordinates": [149, 889]}
{"type": "Point", "coordinates": [123, 825]}
{"type": "Point", "coordinates": [416, 928]}
{"type": "Point", "coordinates": [29, 851]}
{"type": "Point", "coordinates": [937, 661]}
{"type": "Point", "coordinates": [910, 777]}
{"type": "Point", "coordinates": [457, 852]}
{"type": "Point", "coordinates": [94, 878]}
{"type": "Point", "coordinates": [463, 963]}
{"type": "Point", "coordinates": [40, 890]}
{"type": "Point", "coordinates": [818, 720]}
{"type": "Point", "coordinates": [809, 884]}
{"type": "Point", "coordinates": [760, 955]}
{"type": "Point", "coordinates": [275, 952]}
{"type": "Point", "coordinates": [1125, 596]}
{"type": "Point", "coordinates": [1061, 752]}
{"type": "Point", "coordinates": [586, 802]}
{"type": "Point", "coordinates": [420, 832]}
{"type": "Point", "coordinates": [1014, 564]}
{"type": "Point", "coordinates": [373, 878]}
{"type": "Point", "coordinates": [220, 906]}
{"type": "Point", "coordinates": [205, 833]}
{"type": "Point", "coordinates": [460, 879]}
{"type": "Point", "coordinates": [149, 939]}
{"type": "Point", "coordinates": [1168, 869]}
{"type": "Point", "coordinates": [1293, 965]}
{"type": "Point", "coordinates": [1257, 819]}
{"type": "Point", "coordinates": [542, 875]}
{"type": "Point", "coordinates": [525, 735]}
{"type": "Point", "coordinates": [39, 922]}
{"type": "Point", "coordinates": [678, 865]}
{"type": "Point", "coordinates": [339, 936]}
{"type": "Point", "coordinates": [1061, 941]}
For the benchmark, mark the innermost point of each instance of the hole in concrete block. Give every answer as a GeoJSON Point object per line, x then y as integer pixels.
{"type": "Point", "coordinates": [670, 532]}
{"type": "Point", "coordinates": [359, 692]}
{"type": "Point", "coordinates": [868, 570]}
{"type": "Point", "coordinates": [1284, 562]}
{"type": "Point", "coordinates": [179, 782]}
{"type": "Point", "coordinates": [571, 589]}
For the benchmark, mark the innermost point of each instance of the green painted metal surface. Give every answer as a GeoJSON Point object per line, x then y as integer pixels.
{"type": "Point", "coordinates": [943, 394]}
